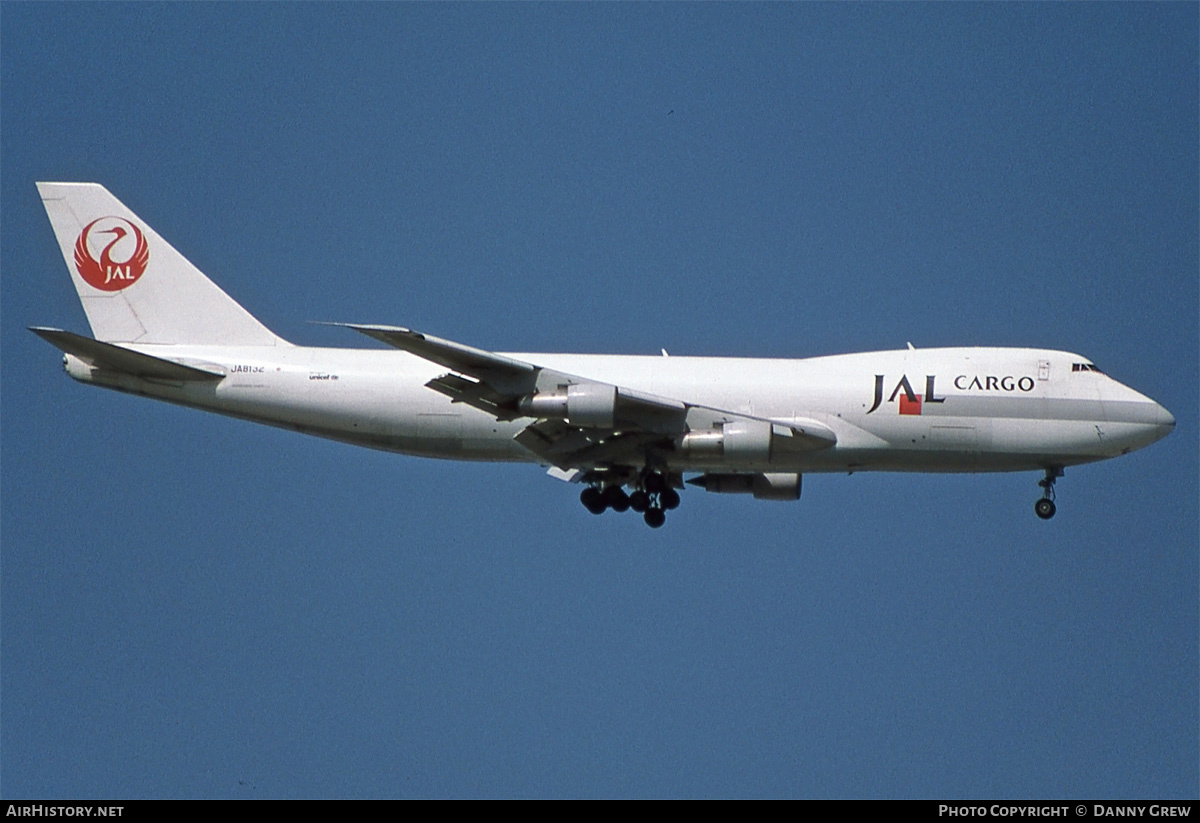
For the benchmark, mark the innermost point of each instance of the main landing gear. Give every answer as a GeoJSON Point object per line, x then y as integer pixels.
{"type": "Point", "coordinates": [1045, 508]}
{"type": "Point", "coordinates": [652, 498]}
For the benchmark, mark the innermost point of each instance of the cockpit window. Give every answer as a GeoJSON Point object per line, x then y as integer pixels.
{"type": "Point", "coordinates": [1085, 367]}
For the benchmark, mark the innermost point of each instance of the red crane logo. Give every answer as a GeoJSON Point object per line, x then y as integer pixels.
{"type": "Point", "coordinates": [122, 260]}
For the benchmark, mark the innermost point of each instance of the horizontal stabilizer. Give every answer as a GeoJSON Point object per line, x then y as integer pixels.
{"type": "Point", "coordinates": [118, 358]}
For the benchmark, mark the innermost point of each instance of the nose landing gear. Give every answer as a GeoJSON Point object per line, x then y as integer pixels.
{"type": "Point", "coordinates": [1045, 507]}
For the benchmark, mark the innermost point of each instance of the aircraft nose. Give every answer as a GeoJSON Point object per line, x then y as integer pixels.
{"type": "Point", "coordinates": [1164, 419]}
{"type": "Point", "coordinates": [1136, 420]}
{"type": "Point", "coordinates": [1158, 421]}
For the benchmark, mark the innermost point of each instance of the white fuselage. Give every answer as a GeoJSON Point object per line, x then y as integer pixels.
{"type": "Point", "coordinates": [969, 409]}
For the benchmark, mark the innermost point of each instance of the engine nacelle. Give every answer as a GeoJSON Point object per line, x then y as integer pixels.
{"type": "Point", "coordinates": [590, 405]}
{"type": "Point", "coordinates": [766, 486]}
{"type": "Point", "coordinates": [738, 441]}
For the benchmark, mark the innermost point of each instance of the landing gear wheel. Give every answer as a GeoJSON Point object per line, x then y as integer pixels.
{"type": "Point", "coordinates": [669, 499]}
{"type": "Point", "coordinates": [655, 518]}
{"type": "Point", "coordinates": [593, 500]}
{"type": "Point", "coordinates": [639, 501]}
{"type": "Point", "coordinates": [616, 498]}
{"type": "Point", "coordinates": [1045, 508]}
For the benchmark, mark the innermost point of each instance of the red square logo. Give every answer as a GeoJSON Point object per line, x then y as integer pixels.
{"type": "Point", "coordinates": [910, 406]}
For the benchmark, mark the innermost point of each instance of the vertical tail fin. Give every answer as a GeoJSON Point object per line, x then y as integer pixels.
{"type": "Point", "coordinates": [134, 286]}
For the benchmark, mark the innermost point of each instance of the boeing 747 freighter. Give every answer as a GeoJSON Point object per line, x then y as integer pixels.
{"type": "Point", "coordinates": [630, 429]}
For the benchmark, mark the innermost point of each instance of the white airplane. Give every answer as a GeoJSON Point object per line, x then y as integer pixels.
{"type": "Point", "coordinates": [611, 422]}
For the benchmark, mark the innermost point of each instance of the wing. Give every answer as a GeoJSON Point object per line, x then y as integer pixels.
{"type": "Point", "coordinates": [580, 422]}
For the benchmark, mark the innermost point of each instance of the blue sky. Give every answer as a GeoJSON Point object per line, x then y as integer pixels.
{"type": "Point", "coordinates": [199, 607]}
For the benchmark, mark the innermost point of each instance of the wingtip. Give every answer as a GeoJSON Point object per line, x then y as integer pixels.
{"type": "Point", "coordinates": [45, 331]}
{"type": "Point", "coordinates": [360, 326]}
{"type": "Point", "coordinates": [372, 330]}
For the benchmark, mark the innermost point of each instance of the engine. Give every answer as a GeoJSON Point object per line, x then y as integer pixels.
{"type": "Point", "coordinates": [589, 405]}
{"type": "Point", "coordinates": [738, 441]}
{"type": "Point", "coordinates": [767, 486]}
